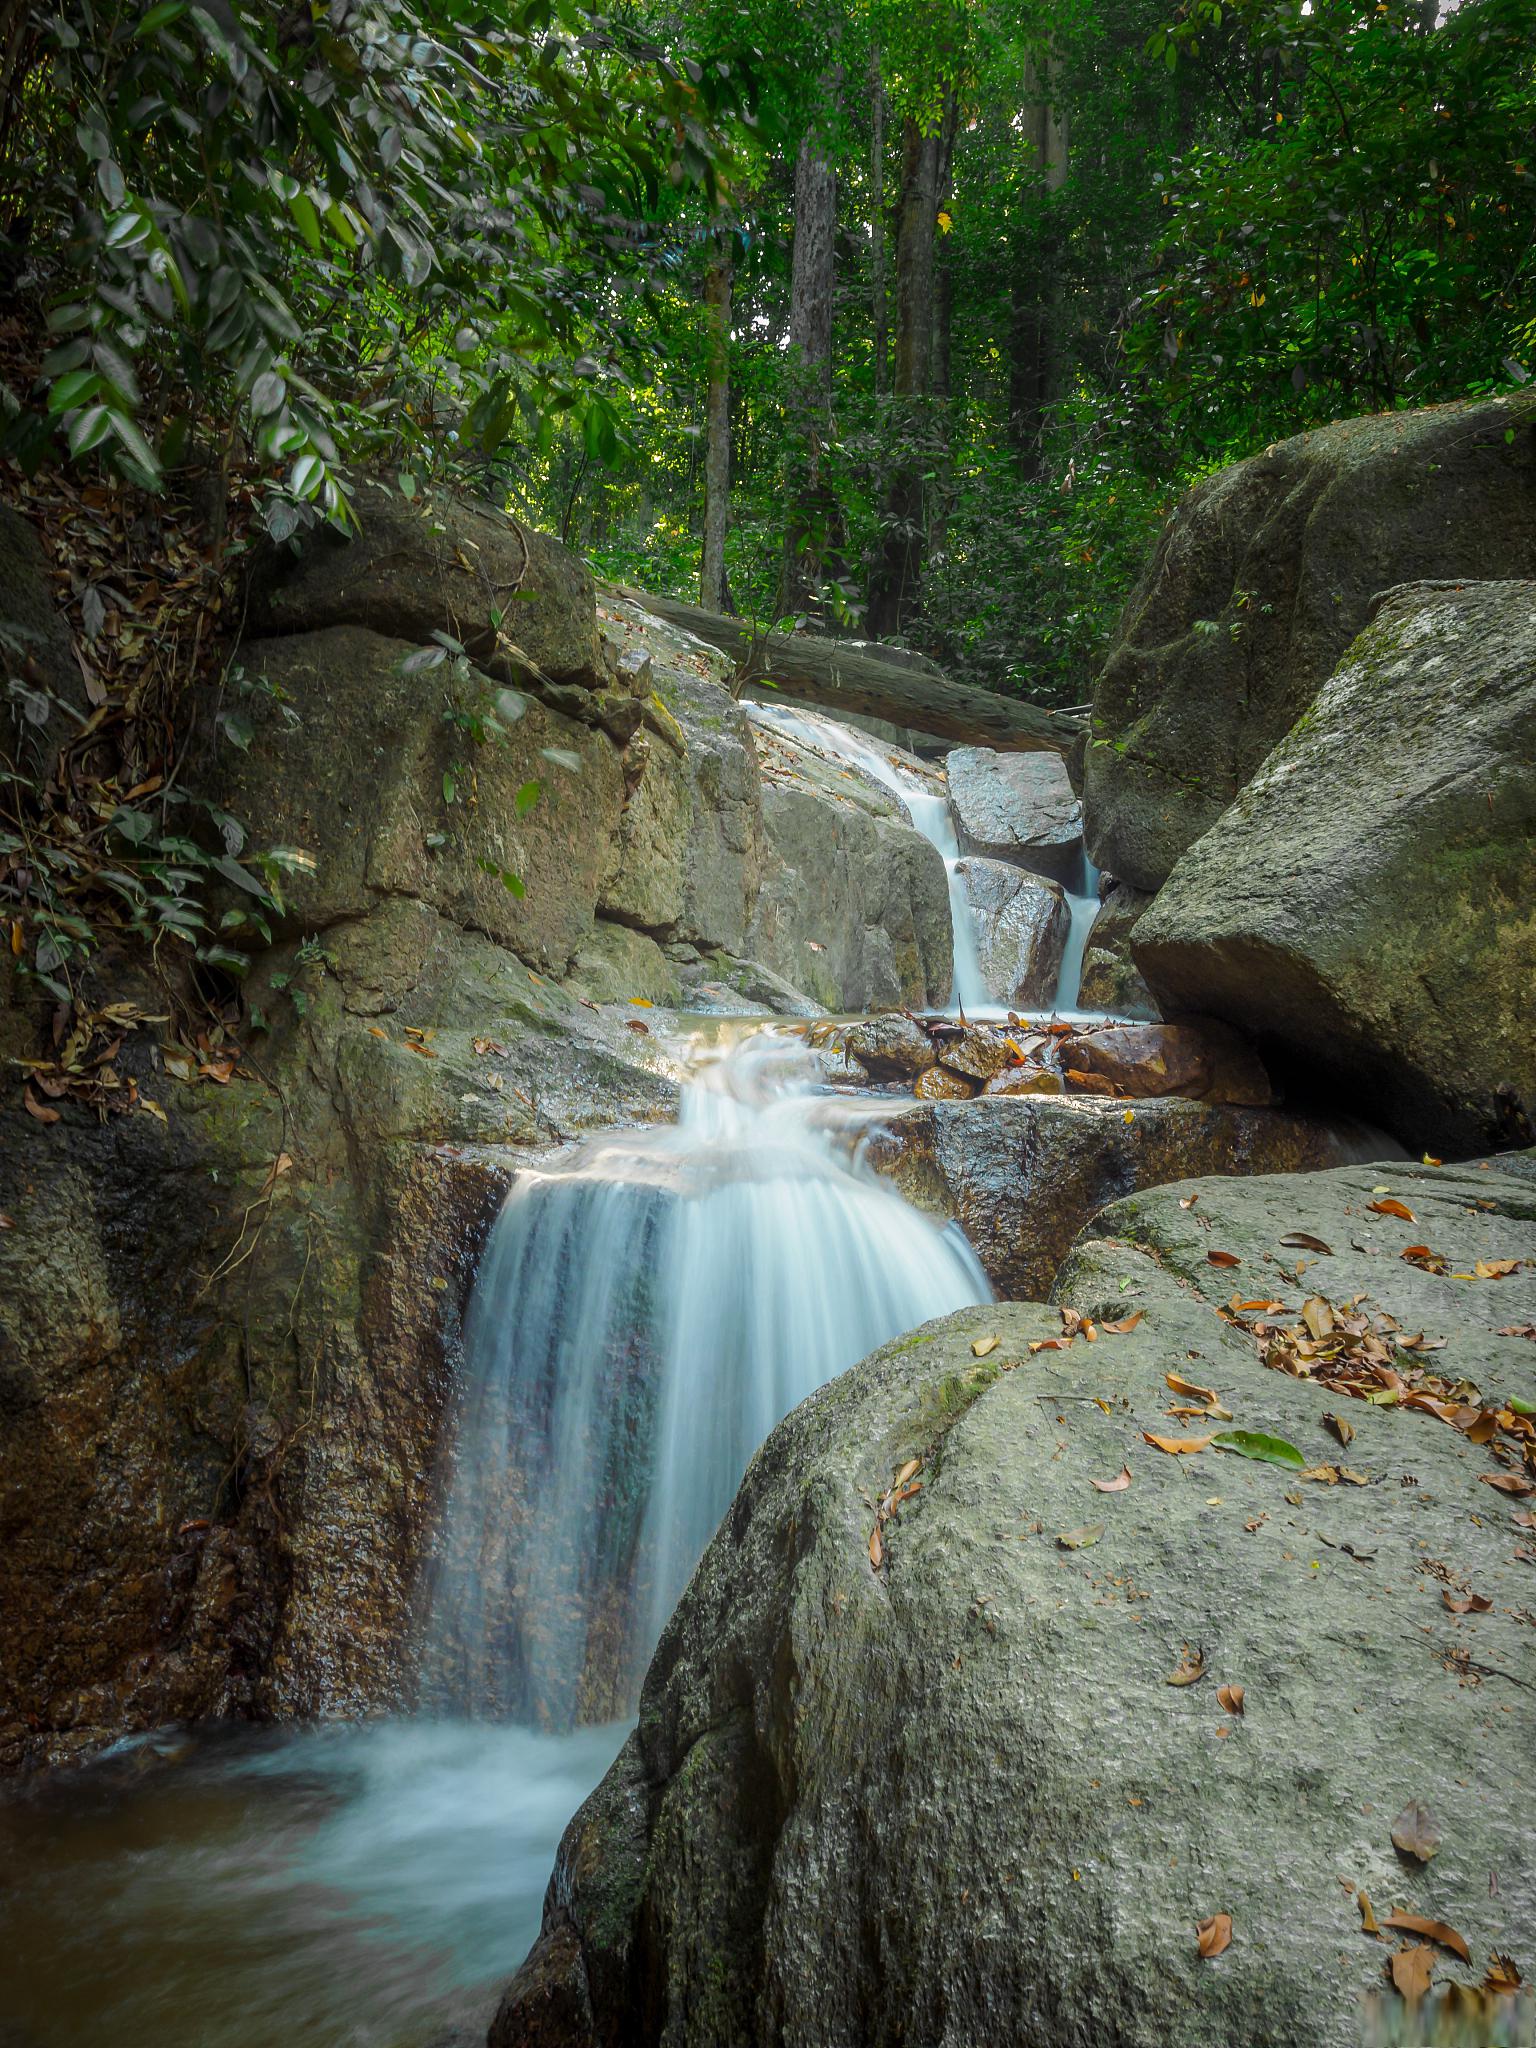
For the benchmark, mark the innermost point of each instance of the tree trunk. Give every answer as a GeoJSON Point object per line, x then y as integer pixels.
{"type": "Point", "coordinates": [860, 678]}
{"type": "Point", "coordinates": [897, 573]}
{"type": "Point", "coordinates": [1034, 297]}
{"type": "Point", "coordinates": [882, 318]}
{"type": "Point", "coordinates": [717, 426]}
{"type": "Point", "coordinates": [813, 538]}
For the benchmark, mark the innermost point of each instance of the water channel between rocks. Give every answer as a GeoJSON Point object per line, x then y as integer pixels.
{"type": "Point", "coordinates": [647, 1309]}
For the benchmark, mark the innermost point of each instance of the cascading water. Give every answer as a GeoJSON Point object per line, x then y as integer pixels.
{"type": "Point", "coordinates": [927, 809]}
{"type": "Point", "coordinates": [1082, 909]}
{"type": "Point", "coordinates": [645, 1314]}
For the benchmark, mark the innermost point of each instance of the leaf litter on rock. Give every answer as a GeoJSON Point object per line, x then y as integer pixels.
{"type": "Point", "coordinates": [1432, 1930]}
{"type": "Point", "coordinates": [1190, 1667]}
{"type": "Point", "coordinates": [1214, 1936]}
{"type": "Point", "coordinates": [1081, 1539]}
{"type": "Point", "coordinates": [1415, 1833]}
{"type": "Point", "coordinates": [1118, 1484]}
{"type": "Point", "coordinates": [1411, 1970]}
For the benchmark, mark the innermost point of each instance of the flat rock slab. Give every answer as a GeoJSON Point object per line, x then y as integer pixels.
{"type": "Point", "coordinates": [917, 1773]}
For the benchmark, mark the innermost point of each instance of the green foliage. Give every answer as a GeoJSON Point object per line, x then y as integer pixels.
{"type": "Point", "coordinates": [352, 227]}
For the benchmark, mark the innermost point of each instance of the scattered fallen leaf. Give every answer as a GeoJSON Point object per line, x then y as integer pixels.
{"type": "Point", "coordinates": [377, 1031]}
{"type": "Point", "coordinates": [1176, 1446]}
{"type": "Point", "coordinates": [1318, 1317]}
{"type": "Point", "coordinates": [1189, 1667]}
{"type": "Point", "coordinates": [1467, 1603]}
{"type": "Point", "coordinates": [1116, 1485]}
{"type": "Point", "coordinates": [1415, 1833]}
{"type": "Point", "coordinates": [1412, 1969]}
{"type": "Point", "coordinates": [1495, 1269]}
{"type": "Point", "coordinates": [1050, 1344]}
{"type": "Point", "coordinates": [1223, 1258]}
{"type": "Point", "coordinates": [636, 1024]}
{"type": "Point", "coordinates": [907, 1471]}
{"type": "Point", "coordinates": [1432, 1930]}
{"type": "Point", "coordinates": [6, 1223]}
{"type": "Point", "coordinates": [1126, 1323]}
{"type": "Point", "coordinates": [1302, 1240]}
{"type": "Point", "coordinates": [425, 1050]}
{"type": "Point", "coordinates": [1180, 1385]}
{"type": "Point", "coordinates": [1214, 1935]}
{"type": "Point", "coordinates": [984, 1346]}
{"type": "Point", "coordinates": [1502, 1973]}
{"type": "Point", "coordinates": [1522, 1517]}
{"type": "Point", "coordinates": [1188, 1201]}
{"type": "Point", "coordinates": [876, 1547]}
{"type": "Point", "coordinates": [1344, 1431]}
{"type": "Point", "coordinates": [1268, 1450]}
{"type": "Point", "coordinates": [1081, 1539]}
{"type": "Point", "coordinates": [1230, 1698]}
{"type": "Point", "coordinates": [1508, 1482]}
{"type": "Point", "coordinates": [639, 1002]}
{"type": "Point", "coordinates": [1368, 1921]}
{"type": "Point", "coordinates": [1391, 1207]}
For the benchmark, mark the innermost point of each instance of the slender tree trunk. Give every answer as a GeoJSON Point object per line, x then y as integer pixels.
{"type": "Point", "coordinates": [717, 428]}
{"type": "Point", "coordinates": [1034, 298]}
{"type": "Point", "coordinates": [814, 534]}
{"type": "Point", "coordinates": [897, 574]}
{"type": "Point", "coordinates": [881, 310]}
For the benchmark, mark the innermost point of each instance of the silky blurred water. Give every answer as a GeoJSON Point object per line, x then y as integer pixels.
{"type": "Point", "coordinates": [363, 1886]}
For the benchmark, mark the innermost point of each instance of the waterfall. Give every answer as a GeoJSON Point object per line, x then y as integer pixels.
{"type": "Point", "coordinates": [646, 1312]}
{"type": "Point", "coordinates": [1082, 909]}
{"type": "Point", "coordinates": [927, 810]}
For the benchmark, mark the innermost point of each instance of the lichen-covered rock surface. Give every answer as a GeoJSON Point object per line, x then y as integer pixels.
{"type": "Point", "coordinates": [1366, 909]}
{"type": "Point", "coordinates": [1110, 979]}
{"type": "Point", "coordinates": [1020, 921]}
{"type": "Point", "coordinates": [925, 1771]}
{"type": "Point", "coordinates": [1015, 807]}
{"type": "Point", "coordinates": [1261, 579]}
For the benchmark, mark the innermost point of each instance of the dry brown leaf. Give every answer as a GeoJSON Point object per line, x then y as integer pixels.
{"type": "Point", "coordinates": [1188, 1201]}
{"type": "Point", "coordinates": [1495, 1269]}
{"type": "Point", "coordinates": [1050, 1344]}
{"type": "Point", "coordinates": [1368, 1921]}
{"type": "Point", "coordinates": [1344, 1431]}
{"type": "Point", "coordinates": [1189, 1667]}
{"type": "Point", "coordinates": [1502, 1973]}
{"type": "Point", "coordinates": [1318, 1317]}
{"type": "Point", "coordinates": [1415, 1833]}
{"type": "Point", "coordinates": [1301, 1240]}
{"type": "Point", "coordinates": [1354, 1478]}
{"type": "Point", "coordinates": [1469, 1603]}
{"type": "Point", "coordinates": [377, 1031]}
{"type": "Point", "coordinates": [907, 1471]}
{"type": "Point", "coordinates": [876, 1547]}
{"type": "Point", "coordinates": [1412, 1969]}
{"type": "Point", "coordinates": [984, 1346]}
{"type": "Point", "coordinates": [425, 1050]}
{"type": "Point", "coordinates": [1214, 1935]}
{"type": "Point", "coordinates": [1126, 1324]}
{"type": "Point", "coordinates": [1118, 1484]}
{"type": "Point", "coordinates": [1522, 1517]}
{"type": "Point", "coordinates": [1230, 1698]}
{"type": "Point", "coordinates": [1508, 1482]}
{"type": "Point", "coordinates": [1180, 1385]}
{"type": "Point", "coordinates": [1223, 1258]}
{"type": "Point", "coordinates": [1392, 1207]}
{"type": "Point", "coordinates": [1176, 1446]}
{"type": "Point", "coordinates": [1081, 1539]}
{"type": "Point", "coordinates": [1432, 1930]}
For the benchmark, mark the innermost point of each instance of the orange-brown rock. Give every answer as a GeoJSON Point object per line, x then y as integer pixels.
{"type": "Point", "coordinates": [1197, 1057]}
{"type": "Point", "coordinates": [938, 1084]}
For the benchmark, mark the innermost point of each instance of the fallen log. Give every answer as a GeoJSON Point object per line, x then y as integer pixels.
{"type": "Point", "coordinates": [842, 678]}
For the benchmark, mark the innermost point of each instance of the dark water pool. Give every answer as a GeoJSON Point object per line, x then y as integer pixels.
{"type": "Point", "coordinates": [337, 1887]}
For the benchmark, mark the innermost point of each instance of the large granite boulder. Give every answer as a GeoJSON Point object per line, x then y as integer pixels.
{"type": "Point", "coordinates": [1259, 582]}
{"type": "Point", "coordinates": [854, 904]}
{"type": "Point", "coordinates": [1022, 1174]}
{"type": "Point", "coordinates": [1020, 921]}
{"type": "Point", "coordinates": [1016, 807]}
{"type": "Point", "coordinates": [1367, 907]}
{"type": "Point", "coordinates": [946, 1744]}
{"type": "Point", "coordinates": [436, 563]}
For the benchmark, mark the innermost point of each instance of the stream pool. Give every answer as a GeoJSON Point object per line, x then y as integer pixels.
{"type": "Point", "coordinates": [346, 1886]}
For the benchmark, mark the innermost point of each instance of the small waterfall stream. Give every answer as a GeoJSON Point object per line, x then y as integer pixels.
{"type": "Point", "coordinates": [645, 1313]}
{"type": "Point", "coordinates": [928, 810]}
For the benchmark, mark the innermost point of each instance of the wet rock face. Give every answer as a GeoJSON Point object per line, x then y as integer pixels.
{"type": "Point", "coordinates": [1023, 1173]}
{"type": "Point", "coordinates": [1367, 906]}
{"type": "Point", "coordinates": [1200, 1060]}
{"type": "Point", "coordinates": [763, 1863]}
{"type": "Point", "coordinates": [1110, 980]}
{"type": "Point", "coordinates": [1260, 581]}
{"type": "Point", "coordinates": [1015, 807]}
{"type": "Point", "coordinates": [1021, 931]}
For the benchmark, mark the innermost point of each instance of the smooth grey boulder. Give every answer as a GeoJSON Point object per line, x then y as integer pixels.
{"type": "Point", "coordinates": [1366, 910]}
{"type": "Point", "coordinates": [1017, 807]}
{"type": "Point", "coordinates": [917, 1774]}
{"type": "Point", "coordinates": [1020, 922]}
{"type": "Point", "coordinates": [1022, 1174]}
{"type": "Point", "coordinates": [1110, 980]}
{"type": "Point", "coordinates": [1258, 583]}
